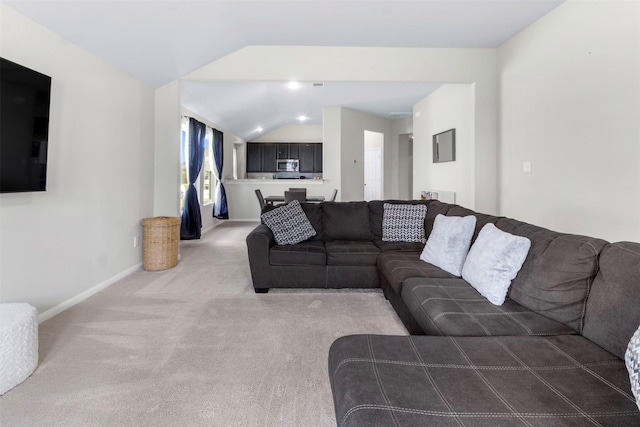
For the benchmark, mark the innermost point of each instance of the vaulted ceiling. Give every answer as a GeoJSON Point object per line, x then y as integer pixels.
{"type": "Point", "coordinates": [161, 41]}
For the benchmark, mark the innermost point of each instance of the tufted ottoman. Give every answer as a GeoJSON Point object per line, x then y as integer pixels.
{"type": "Point", "coordinates": [18, 344]}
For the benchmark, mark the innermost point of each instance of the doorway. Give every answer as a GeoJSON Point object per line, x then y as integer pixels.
{"type": "Point", "coordinates": [373, 161]}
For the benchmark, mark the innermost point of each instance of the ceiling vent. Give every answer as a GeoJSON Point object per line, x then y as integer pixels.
{"type": "Point", "coordinates": [318, 85]}
{"type": "Point", "coordinates": [399, 114]}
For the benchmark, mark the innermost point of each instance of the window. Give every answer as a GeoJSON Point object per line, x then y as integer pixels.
{"type": "Point", "coordinates": [208, 177]}
{"type": "Point", "coordinates": [235, 161]}
{"type": "Point", "coordinates": [207, 181]}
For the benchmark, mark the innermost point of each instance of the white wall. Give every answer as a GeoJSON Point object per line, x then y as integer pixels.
{"type": "Point", "coordinates": [292, 133]}
{"type": "Point", "coordinates": [167, 151]}
{"type": "Point", "coordinates": [77, 235]}
{"type": "Point", "coordinates": [302, 63]}
{"type": "Point", "coordinates": [331, 143]}
{"type": "Point", "coordinates": [394, 159]}
{"type": "Point", "coordinates": [353, 125]}
{"type": "Point", "coordinates": [405, 167]}
{"type": "Point", "coordinates": [570, 105]}
{"type": "Point", "coordinates": [449, 107]}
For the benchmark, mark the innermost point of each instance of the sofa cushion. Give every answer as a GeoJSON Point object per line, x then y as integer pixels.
{"type": "Point", "coordinates": [479, 381]}
{"type": "Point", "coordinates": [399, 246]}
{"type": "Point", "coordinates": [403, 223]}
{"type": "Point", "coordinates": [449, 242]}
{"type": "Point", "coordinates": [289, 224]}
{"type": "Point", "coordinates": [613, 306]}
{"type": "Point", "coordinates": [351, 253]}
{"type": "Point", "coordinates": [481, 219]}
{"type": "Point", "coordinates": [346, 221]}
{"type": "Point", "coordinates": [398, 266]}
{"type": "Point", "coordinates": [557, 274]}
{"type": "Point", "coordinates": [434, 208]}
{"type": "Point", "coordinates": [494, 261]}
{"type": "Point", "coordinates": [352, 276]}
{"type": "Point", "coordinates": [304, 253]}
{"type": "Point", "coordinates": [451, 307]}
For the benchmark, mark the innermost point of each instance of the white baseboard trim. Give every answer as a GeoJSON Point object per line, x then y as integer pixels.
{"type": "Point", "coordinates": [86, 294]}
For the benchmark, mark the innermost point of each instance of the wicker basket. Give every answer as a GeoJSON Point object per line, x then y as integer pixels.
{"type": "Point", "coordinates": [161, 236]}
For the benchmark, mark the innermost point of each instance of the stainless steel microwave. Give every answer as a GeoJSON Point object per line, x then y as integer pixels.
{"type": "Point", "coordinates": [288, 165]}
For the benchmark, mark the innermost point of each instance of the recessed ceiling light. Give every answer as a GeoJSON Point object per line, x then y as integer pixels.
{"type": "Point", "coordinates": [259, 129]}
{"type": "Point", "coordinates": [293, 85]}
{"type": "Point", "coordinates": [302, 117]}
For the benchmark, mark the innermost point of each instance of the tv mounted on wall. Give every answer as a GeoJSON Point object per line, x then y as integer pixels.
{"type": "Point", "coordinates": [24, 131]}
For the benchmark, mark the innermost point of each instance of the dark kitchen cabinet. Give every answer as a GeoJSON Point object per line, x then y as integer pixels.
{"type": "Point", "coordinates": [317, 157]}
{"type": "Point", "coordinates": [254, 157]}
{"type": "Point", "coordinates": [283, 151]}
{"type": "Point", "coordinates": [261, 157]}
{"type": "Point", "coordinates": [310, 157]}
{"type": "Point", "coordinates": [288, 151]}
{"type": "Point", "coordinates": [294, 151]}
{"type": "Point", "coordinates": [306, 157]}
{"type": "Point", "coordinates": [269, 163]}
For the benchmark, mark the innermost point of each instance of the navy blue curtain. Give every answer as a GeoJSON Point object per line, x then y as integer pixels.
{"type": "Point", "coordinates": [220, 210]}
{"type": "Point", "coordinates": [191, 226]}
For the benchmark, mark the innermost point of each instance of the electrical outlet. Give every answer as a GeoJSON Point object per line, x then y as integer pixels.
{"type": "Point", "coordinates": [526, 167]}
{"type": "Point", "coordinates": [135, 241]}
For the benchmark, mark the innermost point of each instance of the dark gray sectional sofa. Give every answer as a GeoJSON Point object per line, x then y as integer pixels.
{"type": "Point", "coordinates": [552, 354]}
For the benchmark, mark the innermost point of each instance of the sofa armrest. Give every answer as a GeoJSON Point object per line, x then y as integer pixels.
{"type": "Point", "coordinates": [259, 242]}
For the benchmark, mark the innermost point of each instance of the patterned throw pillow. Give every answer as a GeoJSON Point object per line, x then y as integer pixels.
{"type": "Point", "coordinates": [632, 360]}
{"type": "Point", "coordinates": [289, 224]}
{"type": "Point", "coordinates": [403, 223]}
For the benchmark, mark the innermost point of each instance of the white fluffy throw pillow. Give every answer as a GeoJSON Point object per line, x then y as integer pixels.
{"type": "Point", "coordinates": [449, 242]}
{"type": "Point", "coordinates": [289, 224]}
{"type": "Point", "coordinates": [494, 261]}
{"type": "Point", "coordinates": [632, 360]}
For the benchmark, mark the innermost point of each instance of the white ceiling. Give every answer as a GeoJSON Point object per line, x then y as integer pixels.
{"type": "Point", "coordinates": [161, 41]}
{"type": "Point", "coordinates": [270, 105]}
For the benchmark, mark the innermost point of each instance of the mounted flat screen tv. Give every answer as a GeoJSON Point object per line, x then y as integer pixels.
{"type": "Point", "coordinates": [24, 128]}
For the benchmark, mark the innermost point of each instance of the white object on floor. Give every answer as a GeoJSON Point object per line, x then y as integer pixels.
{"type": "Point", "coordinates": [18, 344]}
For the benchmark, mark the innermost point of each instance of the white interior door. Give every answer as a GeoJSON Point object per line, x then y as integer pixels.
{"type": "Point", "coordinates": [372, 174]}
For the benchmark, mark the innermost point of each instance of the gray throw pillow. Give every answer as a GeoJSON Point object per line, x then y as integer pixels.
{"type": "Point", "coordinates": [494, 261]}
{"type": "Point", "coordinates": [632, 360]}
{"type": "Point", "coordinates": [289, 224]}
{"type": "Point", "coordinates": [449, 242]}
{"type": "Point", "coordinates": [403, 223]}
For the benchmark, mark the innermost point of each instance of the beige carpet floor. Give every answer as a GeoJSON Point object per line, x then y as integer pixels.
{"type": "Point", "coordinates": [194, 346]}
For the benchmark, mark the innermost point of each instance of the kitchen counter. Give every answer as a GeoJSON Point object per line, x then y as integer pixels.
{"type": "Point", "coordinates": [286, 181]}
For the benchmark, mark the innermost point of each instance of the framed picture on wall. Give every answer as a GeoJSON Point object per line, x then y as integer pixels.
{"type": "Point", "coordinates": [444, 146]}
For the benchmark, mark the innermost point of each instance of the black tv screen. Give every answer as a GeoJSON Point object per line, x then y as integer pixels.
{"type": "Point", "coordinates": [24, 128]}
